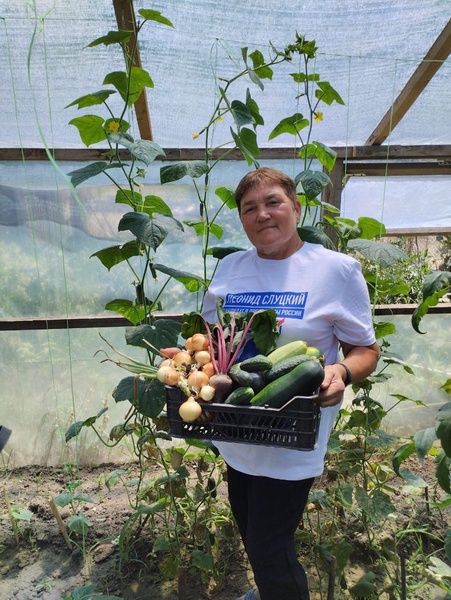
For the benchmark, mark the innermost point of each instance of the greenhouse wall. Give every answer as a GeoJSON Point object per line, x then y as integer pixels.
{"type": "Point", "coordinates": [52, 378]}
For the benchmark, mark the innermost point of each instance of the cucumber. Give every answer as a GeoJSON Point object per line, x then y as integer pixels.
{"type": "Point", "coordinates": [316, 352]}
{"type": "Point", "coordinates": [287, 351]}
{"type": "Point", "coordinates": [240, 396]}
{"type": "Point", "coordinates": [285, 366]}
{"type": "Point", "coordinates": [256, 364]}
{"type": "Point", "coordinates": [303, 380]}
{"type": "Point", "coordinates": [254, 380]}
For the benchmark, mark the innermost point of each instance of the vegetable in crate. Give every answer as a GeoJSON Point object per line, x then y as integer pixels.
{"type": "Point", "coordinates": [303, 380]}
{"type": "Point", "coordinates": [226, 338]}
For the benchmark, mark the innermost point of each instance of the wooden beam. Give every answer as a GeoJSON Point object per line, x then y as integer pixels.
{"type": "Point", "coordinates": [37, 324]}
{"type": "Point", "coordinates": [391, 169]}
{"type": "Point", "coordinates": [431, 63]}
{"type": "Point", "coordinates": [439, 152]}
{"type": "Point", "coordinates": [126, 21]}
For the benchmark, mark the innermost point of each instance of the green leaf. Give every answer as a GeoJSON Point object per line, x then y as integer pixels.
{"type": "Point", "coordinates": [144, 150]}
{"type": "Point", "coordinates": [246, 141]}
{"type": "Point", "coordinates": [114, 255]}
{"type": "Point", "coordinates": [312, 182]}
{"type": "Point", "coordinates": [192, 283]}
{"type": "Point", "coordinates": [314, 235]}
{"type": "Point", "coordinates": [154, 15]}
{"type": "Point", "coordinates": [377, 506]}
{"type": "Point", "coordinates": [446, 386]}
{"type": "Point", "coordinates": [302, 77]}
{"type": "Point", "coordinates": [163, 333]}
{"type": "Point", "coordinates": [147, 397]}
{"type": "Point", "coordinates": [440, 569]}
{"type": "Point", "coordinates": [176, 171]}
{"type": "Point", "coordinates": [424, 440]}
{"type": "Point", "coordinates": [263, 71]}
{"type": "Point", "coordinates": [128, 197]}
{"type": "Point", "coordinates": [442, 473]}
{"type": "Point", "coordinates": [323, 153]}
{"type": "Point", "coordinates": [241, 113]}
{"type": "Point", "coordinates": [326, 93]}
{"type": "Point", "coordinates": [151, 231]}
{"type": "Point", "coordinates": [227, 196]}
{"type": "Point", "coordinates": [382, 253]}
{"type": "Point", "coordinates": [265, 330]}
{"type": "Point", "coordinates": [90, 128]}
{"type": "Point", "coordinates": [133, 313]}
{"type": "Point", "coordinates": [91, 99]}
{"type": "Point", "coordinates": [221, 251]}
{"type": "Point", "coordinates": [370, 228]}
{"type": "Point", "coordinates": [343, 494]}
{"type": "Point", "coordinates": [92, 170]}
{"type": "Point", "coordinates": [436, 281]}
{"type": "Point", "coordinates": [202, 560]}
{"type": "Point", "coordinates": [401, 454]}
{"type": "Point", "coordinates": [365, 587]}
{"type": "Point", "coordinates": [254, 110]}
{"type": "Point", "coordinates": [292, 125]}
{"type": "Point", "coordinates": [383, 329]}
{"type": "Point", "coordinates": [79, 524]}
{"type": "Point", "coordinates": [129, 87]}
{"type": "Point", "coordinates": [447, 545]}
{"type": "Point", "coordinates": [112, 37]}
{"type": "Point", "coordinates": [436, 285]}
{"type": "Point", "coordinates": [76, 427]}
{"type": "Point", "coordinates": [443, 427]}
{"type": "Point", "coordinates": [201, 227]}
{"type": "Point", "coordinates": [151, 509]}
{"type": "Point", "coordinates": [23, 515]}
{"type": "Point", "coordinates": [155, 204]}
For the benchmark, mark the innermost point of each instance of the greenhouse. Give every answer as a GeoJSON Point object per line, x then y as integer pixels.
{"type": "Point", "coordinates": [126, 128]}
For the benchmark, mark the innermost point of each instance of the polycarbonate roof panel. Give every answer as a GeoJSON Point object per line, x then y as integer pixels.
{"type": "Point", "coordinates": [368, 49]}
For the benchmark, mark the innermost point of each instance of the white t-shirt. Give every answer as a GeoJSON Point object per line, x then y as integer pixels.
{"type": "Point", "coordinates": [320, 296]}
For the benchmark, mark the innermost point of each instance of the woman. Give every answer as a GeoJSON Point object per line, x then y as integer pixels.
{"type": "Point", "coordinates": [320, 296]}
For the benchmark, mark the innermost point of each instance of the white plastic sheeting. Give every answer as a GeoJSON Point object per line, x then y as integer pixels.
{"type": "Point", "coordinates": [367, 50]}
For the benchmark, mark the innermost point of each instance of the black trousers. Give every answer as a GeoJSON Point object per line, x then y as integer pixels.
{"type": "Point", "coordinates": [268, 512]}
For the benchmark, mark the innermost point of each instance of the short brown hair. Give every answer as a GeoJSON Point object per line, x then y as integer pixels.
{"type": "Point", "coordinates": [264, 176]}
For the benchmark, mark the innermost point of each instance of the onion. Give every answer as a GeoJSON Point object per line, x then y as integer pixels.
{"type": "Point", "coordinates": [202, 357]}
{"type": "Point", "coordinates": [190, 410]}
{"type": "Point", "coordinates": [207, 392]}
{"type": "Point", "coordinates": [208, 369]}
{"type": "Point", "coordinates": [199, 342]}
{"type": "Point", "coordinates": [168, 375]}
{"type": "Point", "coordinates": [197, 379]}
{"type": "Point", "coordinates": [182, 359]}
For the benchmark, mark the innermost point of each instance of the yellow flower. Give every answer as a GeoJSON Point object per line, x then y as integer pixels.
{"type": "Point", "coordinates": [195, 136]}
{"type": "Point", "coordinates": [219, 119]}
{"type": "Point", "coordinates": [114, 126]}
{"type": "Point", "coordinates": [318, 117]}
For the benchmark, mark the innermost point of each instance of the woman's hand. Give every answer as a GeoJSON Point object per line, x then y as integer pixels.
{"type": "Point", "coordinates": [360, 361]}
{"type": "Point", "coordinates": [333, 386]}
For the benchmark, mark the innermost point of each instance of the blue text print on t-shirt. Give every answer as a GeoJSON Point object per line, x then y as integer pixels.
{"type": "Point", "coordinates": [287, 304]}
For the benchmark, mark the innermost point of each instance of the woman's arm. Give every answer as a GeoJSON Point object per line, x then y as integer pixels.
{"type": "Point", "coordinates": [361, 361]}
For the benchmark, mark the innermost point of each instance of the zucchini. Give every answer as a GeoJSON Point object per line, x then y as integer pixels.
{"type": "Point", "coordinates": [316, 352]}
{"type": "Point", "coordinates": [240, 396]}
{"type": "Point", "coordinates": [256, 364]}
{"type": "Point", "coordinates": [285, 366]}
{"type": "Point", "coordinates": [303, 380]}
{"type": "Point", "coordinates": [287, 350]}
{"type": "Point", "coordinates": [254, 380]}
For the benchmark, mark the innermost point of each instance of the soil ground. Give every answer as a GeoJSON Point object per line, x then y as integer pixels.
{"type": "Point", "coordinates": [37, 563]}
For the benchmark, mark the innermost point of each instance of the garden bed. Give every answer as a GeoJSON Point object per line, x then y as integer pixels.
{"type": "Point", "coordinates": [36, 561]}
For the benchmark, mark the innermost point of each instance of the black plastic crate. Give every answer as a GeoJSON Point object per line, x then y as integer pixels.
{"type": "Point", "coordinates": [295, 425]}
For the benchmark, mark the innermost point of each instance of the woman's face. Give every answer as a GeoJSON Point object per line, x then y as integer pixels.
{"type": "Point", "coordinates": [269, 219]}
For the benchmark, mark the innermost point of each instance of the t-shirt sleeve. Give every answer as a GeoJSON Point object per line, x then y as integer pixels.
{"type": "Point", "coordinates": [354, 322]}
